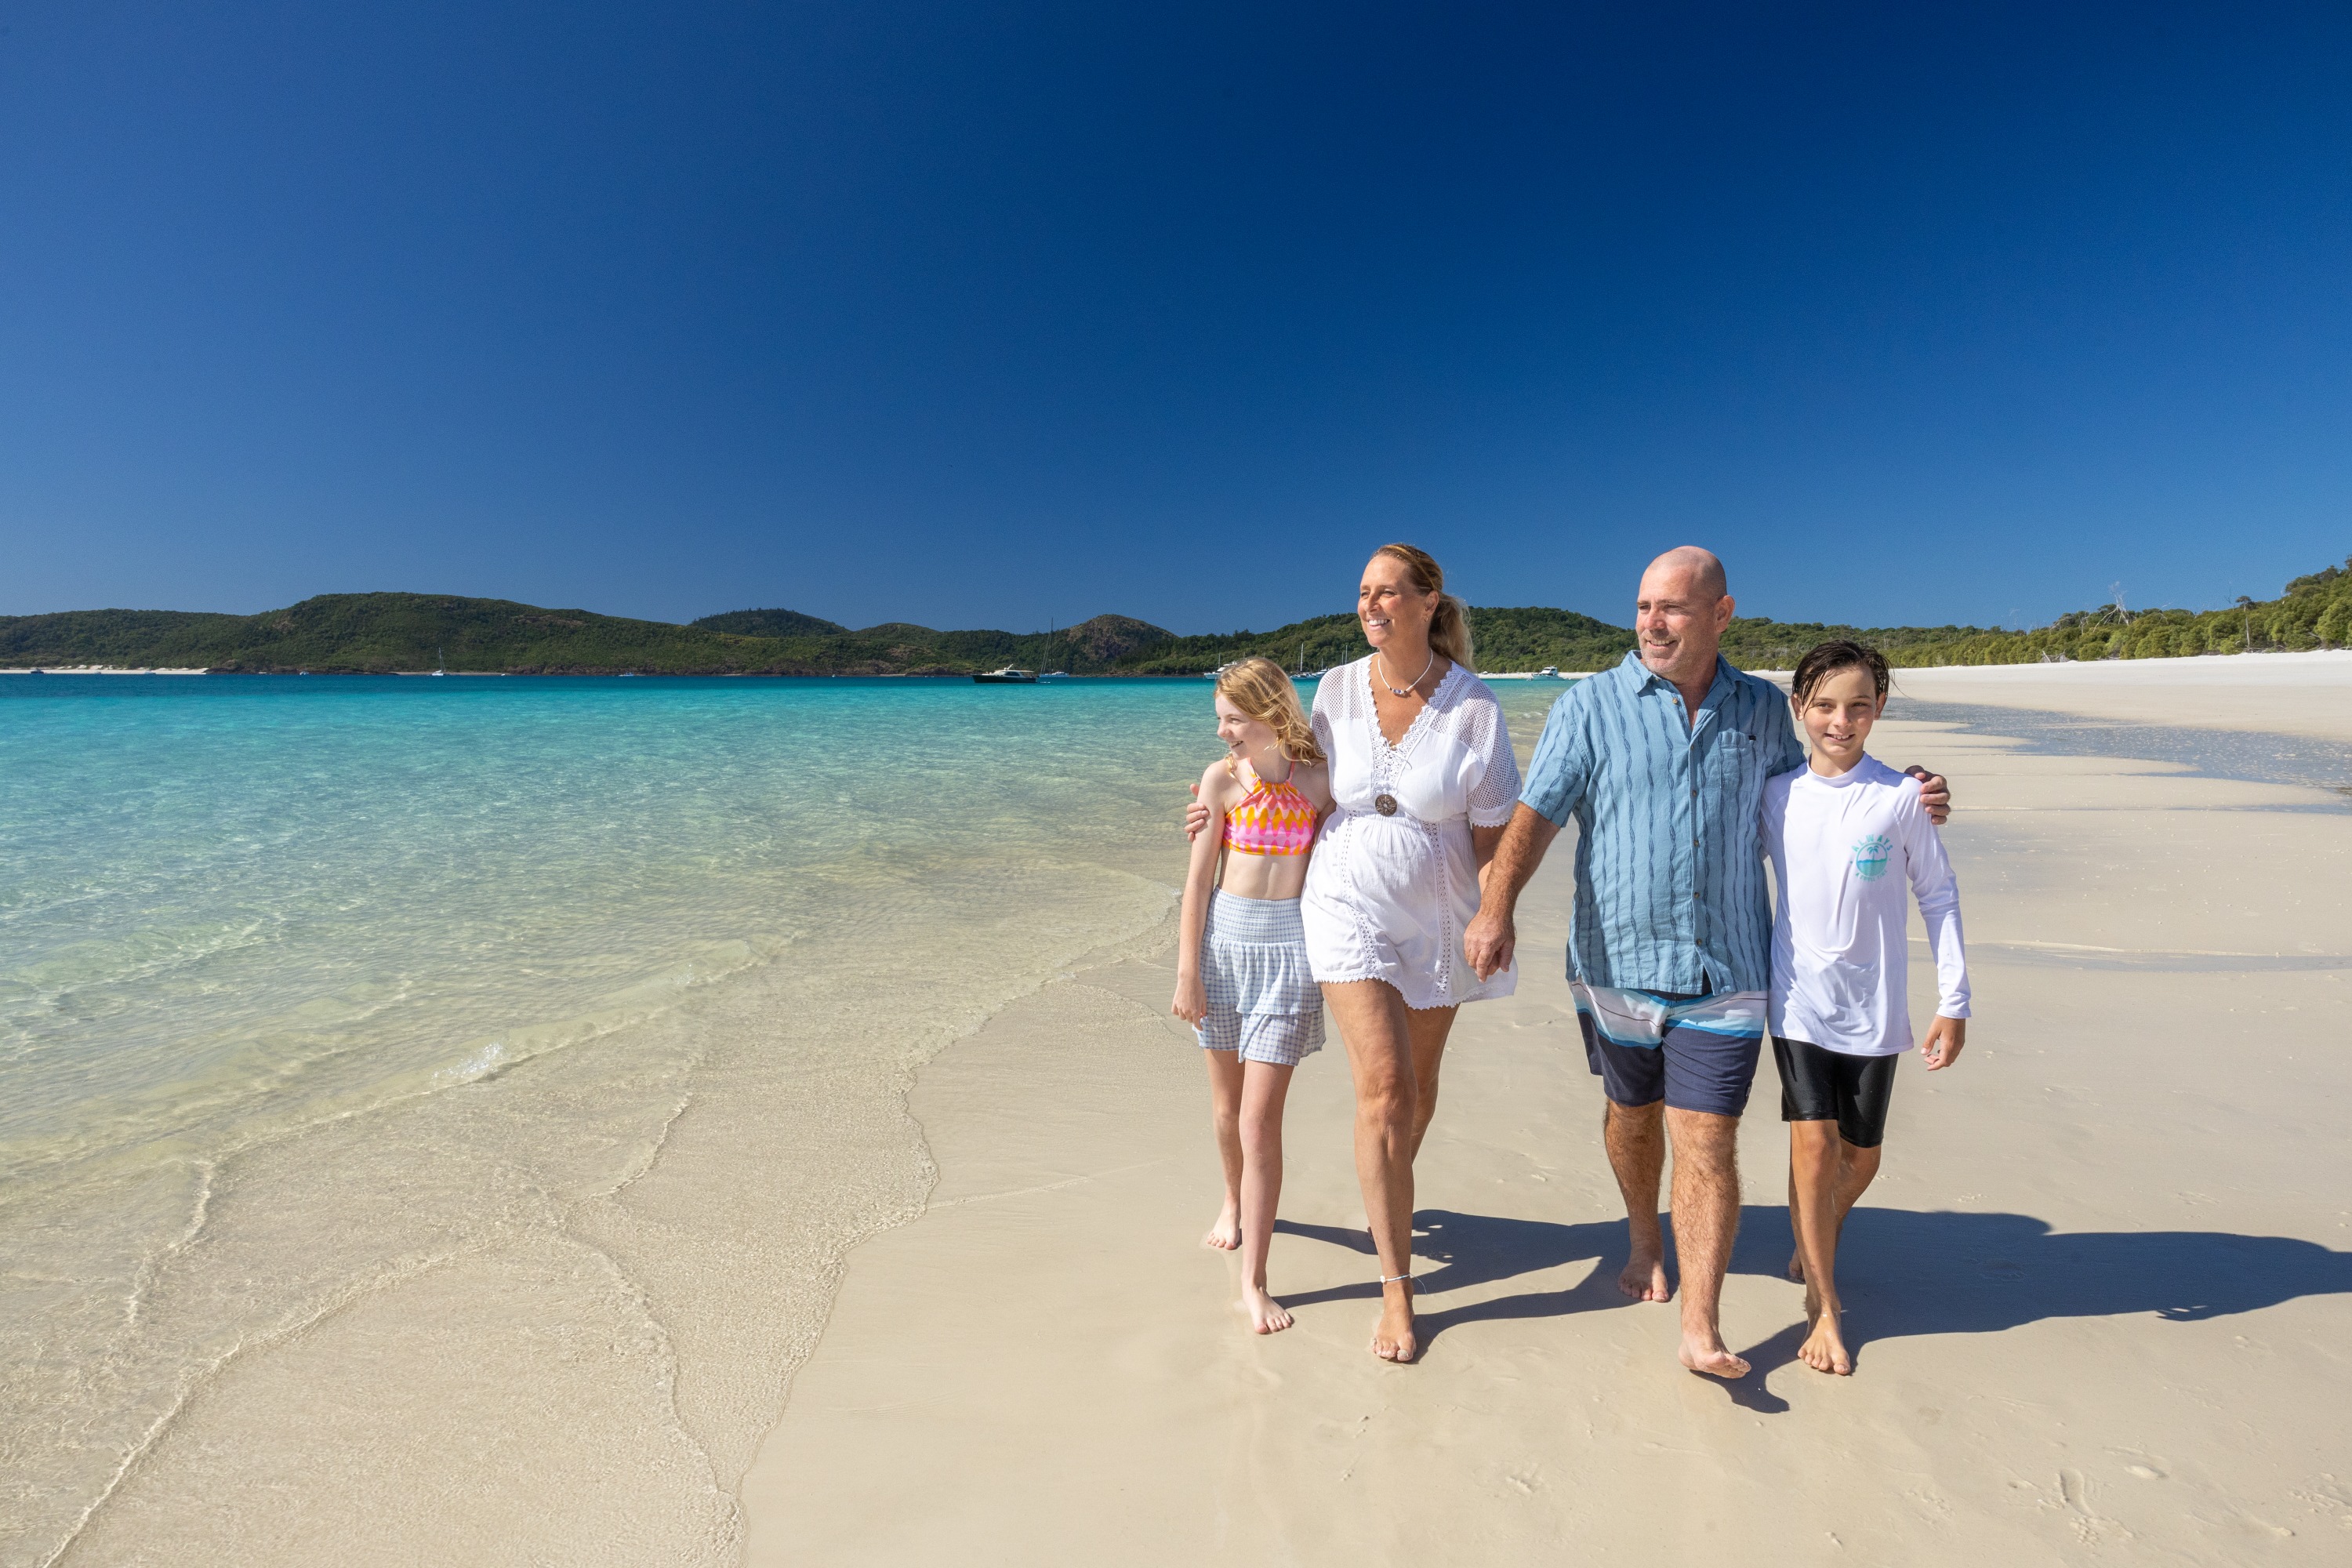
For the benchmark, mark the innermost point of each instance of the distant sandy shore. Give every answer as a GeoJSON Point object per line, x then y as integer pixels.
{"type": "Point", "coordinates": [2282, 693]}
{"type": "Point", "coordinates": [2102, 1291]}
{"type": "Point", "coordinates": [100, 670]}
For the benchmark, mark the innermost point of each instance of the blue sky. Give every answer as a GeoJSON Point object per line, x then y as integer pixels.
{"type": "Point", "coordinates": [1001, 315]}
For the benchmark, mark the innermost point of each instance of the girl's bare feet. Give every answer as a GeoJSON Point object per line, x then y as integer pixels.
{"type": "Point", "coordinates": [1267, 1315]}
{"type": "Point", "coordinates": [1396, 1339]}
{"type": "Point", "coordinates": [1226, 1234]}
{"type": "Point", "coordinates": [1824, 1348]}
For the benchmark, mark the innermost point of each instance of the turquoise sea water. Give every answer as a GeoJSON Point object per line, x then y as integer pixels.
{"type": "Point", "coordinates": [320, 996]}
{"type": "Point", "coordinates": [227, 902]}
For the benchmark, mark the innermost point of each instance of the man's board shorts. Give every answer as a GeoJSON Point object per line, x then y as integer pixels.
{"type": "Point", "coordinates": [1694, 1052]}
{"type": "Point", "coordinates": [1263, 1000]}
{"type": "Point", "coordinates": [1822, 1085]}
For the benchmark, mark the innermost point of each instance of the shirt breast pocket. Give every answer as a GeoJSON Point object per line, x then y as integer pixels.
{"type": "Point", "coordinates": [1735, 772]}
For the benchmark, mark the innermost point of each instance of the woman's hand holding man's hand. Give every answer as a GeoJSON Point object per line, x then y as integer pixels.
{"type": "Point", "coordinates": [1487, 942]}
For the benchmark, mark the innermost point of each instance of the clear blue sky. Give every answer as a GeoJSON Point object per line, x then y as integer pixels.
{"type": "Point", "coordinates": [996, 315]}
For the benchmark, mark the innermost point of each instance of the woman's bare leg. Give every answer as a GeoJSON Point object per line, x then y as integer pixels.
{"type": "Point", "coordinates": [1226, 1115]}
{"type": "Point", "coordinates": [1429, 1028]}
{"type": "Point", "coordinates": [1376, 1027]}
{"type": "Point", "coordinates": [1264, 1088]}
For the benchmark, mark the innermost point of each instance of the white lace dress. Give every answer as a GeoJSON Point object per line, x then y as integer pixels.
{"type": "Point", "coordinates": [1389, 891]}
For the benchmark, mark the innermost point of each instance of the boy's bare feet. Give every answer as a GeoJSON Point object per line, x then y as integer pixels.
{"type": "Point", "coordinates": [1644, 1277]}
{"type": "Point", "coordinates": [1824, 1348]}
{"type": "Point", "coordinates": [1226, 1234]}
{"type": "Point", "coordinates": [1267, 1315]}
{"type": "Point", "coordinates": [1707, 1355]}
{"type": "Point", "coordinates": [1396, 1339]}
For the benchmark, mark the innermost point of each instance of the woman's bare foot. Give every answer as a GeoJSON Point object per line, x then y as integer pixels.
{"type": "Point", "coordinates": [1226, 1234]}
{"type": "Point", "coordinates": [1267, 1315]}
{"type": "Point", "coordinates": [1396, 1339]}
{"type": "Point", "coordinates": [1824, 1348]}
{"type": "Point", "coordinates": [1644, 1277]}
{"type": "Point", "coordinates": [1708, 1356]}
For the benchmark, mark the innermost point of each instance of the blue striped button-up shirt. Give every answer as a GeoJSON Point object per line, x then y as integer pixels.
{"type": "Point", "coordinates": [1669, 861]}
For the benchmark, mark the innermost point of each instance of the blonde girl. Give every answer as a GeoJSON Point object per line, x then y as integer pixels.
{"type": "Point", "coordinates": [1242, 974]}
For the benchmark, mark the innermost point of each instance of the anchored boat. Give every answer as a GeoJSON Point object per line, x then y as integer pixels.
{"type": "Point", "coordinates": [1008, 676]}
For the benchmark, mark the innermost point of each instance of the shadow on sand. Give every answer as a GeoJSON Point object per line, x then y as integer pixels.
{"type": "Point", "coordinates": [1901, 1272]}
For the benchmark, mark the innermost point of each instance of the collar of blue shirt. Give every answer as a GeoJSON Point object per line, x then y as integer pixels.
{"type": "Point", "coordinates": [1640, 679]}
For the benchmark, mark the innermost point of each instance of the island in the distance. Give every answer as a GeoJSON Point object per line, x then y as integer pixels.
{"type": "Point", "coordinates": [378, 634]}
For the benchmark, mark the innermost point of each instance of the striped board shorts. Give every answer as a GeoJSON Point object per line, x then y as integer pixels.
{"type": "Point", "coordinates": [1696, 1052]}
{"type": "Point", "coordinates": [1263, 1001]}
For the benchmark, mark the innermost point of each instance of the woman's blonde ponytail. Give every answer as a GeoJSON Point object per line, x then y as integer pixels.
{"type": "Point", "coordinates": [1449, 623]}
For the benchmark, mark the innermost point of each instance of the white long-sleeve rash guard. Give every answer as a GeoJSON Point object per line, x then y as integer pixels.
{"type": "Point", "coordinates": [1845, 851]}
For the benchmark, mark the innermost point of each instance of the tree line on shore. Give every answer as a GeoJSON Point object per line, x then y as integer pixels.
{"type": "Point", "coordinates": [384, 633]}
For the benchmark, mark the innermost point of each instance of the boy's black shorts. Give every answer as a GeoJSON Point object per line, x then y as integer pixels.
{"type": "Point", "coordinates": [1819, 1085]}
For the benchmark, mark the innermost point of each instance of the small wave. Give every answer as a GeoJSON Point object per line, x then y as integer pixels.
{"type": "Point", "coordinates": [483, 1063]}
{"type": "Point", "coordinates": [309, 1066]}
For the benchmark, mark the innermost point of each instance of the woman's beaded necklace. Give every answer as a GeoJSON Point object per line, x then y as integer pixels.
{"type": "Point", "coordinates": [1406, 689]}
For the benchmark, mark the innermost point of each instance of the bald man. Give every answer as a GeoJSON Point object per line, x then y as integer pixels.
{"type": "Point", "coordinates": [1661, 761]}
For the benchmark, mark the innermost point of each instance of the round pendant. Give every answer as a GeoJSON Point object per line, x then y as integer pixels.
{"type": "Point", "coordinates": [1385, 804]}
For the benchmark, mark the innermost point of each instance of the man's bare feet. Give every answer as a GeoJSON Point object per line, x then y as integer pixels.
{"type": "Point", "coordinates": [1396, 1339]}
{"type": "Point", "coordinates": [1824, 1348]}
{"type": "Point", "coordinates": [1708, 1356]}
{"type": "Point", "coordinates": [1267, 1315]}
{"type": "Point", "coordinates": [1226, 1234]}
{"type": "Point", "coordinates": [1797, 1267]}
{"type": "Point", "coordinates": [1644, 1278]}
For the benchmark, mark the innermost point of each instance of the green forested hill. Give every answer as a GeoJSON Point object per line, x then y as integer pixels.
{"type": "Point", "coordinates": [1760, 644]}
{"type": "Point", "coordinates": [2315, 612]}
{"type": "Point", "coordinates": [383, 633]}
{"type": "Point", "coordinates": [173, 638]}
{"type": "Point", "coordinates": [1527, 638]}
{"type": "Point", "coordinates": [770, 624]}
{"type": "Point", "coordinates": [376, 632]}
{"type": "Point", "coordinates": [898, 647]}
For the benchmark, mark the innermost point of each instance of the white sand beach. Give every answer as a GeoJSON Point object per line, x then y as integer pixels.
{"type": "Point", "coordinates": [2282, 693]}
{"type": "Point", "coordinates": [2100, 1292]}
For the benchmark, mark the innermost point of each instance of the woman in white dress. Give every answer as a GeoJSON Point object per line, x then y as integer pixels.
{"type": "Point", "coordinates": [1422, 780]}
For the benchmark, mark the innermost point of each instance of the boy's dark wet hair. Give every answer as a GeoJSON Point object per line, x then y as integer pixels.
{"type": "Point", "coordinates": [1825, 659]}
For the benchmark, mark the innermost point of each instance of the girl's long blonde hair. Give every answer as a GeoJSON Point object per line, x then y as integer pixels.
{"type": "Point", "coordinates": [1260, 690]}
{"type": "Point", "coordinates": [1449, 623]}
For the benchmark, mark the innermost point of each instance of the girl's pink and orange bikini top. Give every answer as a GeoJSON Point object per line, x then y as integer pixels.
{"type": "Point", "coordinates": [1272, 819]}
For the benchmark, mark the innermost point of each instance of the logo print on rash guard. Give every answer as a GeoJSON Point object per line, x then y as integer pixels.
{"type": "Point", "coordinates": [1870, 856]}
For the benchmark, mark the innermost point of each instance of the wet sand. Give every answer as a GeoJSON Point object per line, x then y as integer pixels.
{"type": "Point", "coordinates": [2100, 1294]}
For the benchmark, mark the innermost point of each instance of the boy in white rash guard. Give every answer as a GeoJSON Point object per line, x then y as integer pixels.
{"type": "Point", "coordinates": [1850, 845]}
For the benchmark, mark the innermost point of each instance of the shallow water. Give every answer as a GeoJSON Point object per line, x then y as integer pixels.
{"type": "Point", "coordinates": [235, 904]}
{"type": "Point", "coordinates": [316, 993]}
